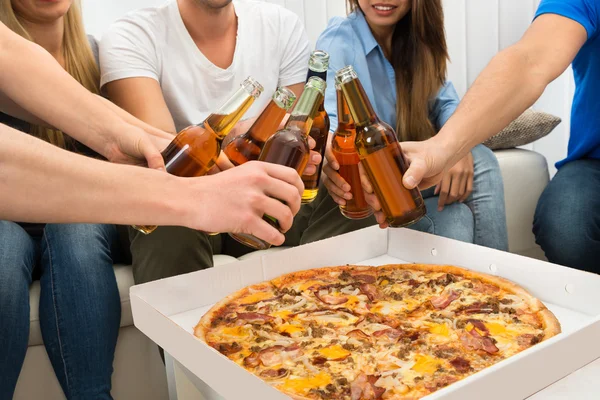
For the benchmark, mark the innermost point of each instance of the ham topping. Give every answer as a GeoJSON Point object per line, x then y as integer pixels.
{"type": "Point", "coordinates": [444, 300]}
{"type": "Point", "coordinates": [474, 341]}
{"type": "Point", "coordinates": [358, 334]}
{"type": "Point", "coordinates": [392, 334]}
{"type": "Point", "coordinates": [461, 365]}
{"type": "Point", "coordinates": [485, 288]}
{"type": "Point", "coordinates": [255, 318]}
{"type": "Point", "coordinates": [274, 373]}
{"type": "Point", "coordinates": [329, 299]}
{"type": "Point", "coordinates": [480, 326]}
{"type": "Point", "coordinates": [363, 388]}
{"type": "Point", "coordinates": [273, 355]}
{"type": "Point", "coordinates": [478, 308]}
{"type": "Point", "coordinates": [370, 291]}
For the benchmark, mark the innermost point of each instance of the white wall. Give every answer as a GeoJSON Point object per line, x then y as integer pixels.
{"type": "Point", "coordinates": [476, 30]}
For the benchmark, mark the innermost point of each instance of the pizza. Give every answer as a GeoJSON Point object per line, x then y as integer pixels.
{"type": "Point", "coordinates": [365, 333]}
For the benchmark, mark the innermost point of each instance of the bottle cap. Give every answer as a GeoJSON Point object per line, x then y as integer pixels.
{"type": "Point", "coordinates": [284, 98]}
{"type": "Point", "coordinates": [252, 86]}
{"type": "Point", "coordinates": [317, 83]}
{"type": "Point", "coordinates": [319, 61]}
{"type": "Point", "coordinates": [345, 75]}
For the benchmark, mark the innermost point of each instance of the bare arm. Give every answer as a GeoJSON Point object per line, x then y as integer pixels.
{"type": "Point", "coordinates": [512, 82]}
{"type": "Point", "coordinates": [142, 98]}
{"type": "Point", "coordinates": [33, 81]}
{"type": "Point", "coordinates": [42, 183]}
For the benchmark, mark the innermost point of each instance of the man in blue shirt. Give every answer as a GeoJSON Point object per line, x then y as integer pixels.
{"type": "Point", "coordinates": [567, 219]}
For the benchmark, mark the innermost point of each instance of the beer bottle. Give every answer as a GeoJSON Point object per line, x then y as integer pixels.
{"type": "Point", "coordinates": [345, 153]}
{"type": "Point", "coordinates": [195, 149]}
{"type": "Point", "coordinates": [381, 155]}
{"type": "Point", "coordinates": [317, 66]}
{"type": "Point", "coordinates": [247, 147]}
{"type": "Point", "coordinates": [289, 146]}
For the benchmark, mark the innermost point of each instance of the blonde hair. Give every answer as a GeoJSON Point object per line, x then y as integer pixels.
{"type": "Point", "coordinates": [419, 57]}
{"type": "Point", "coordinates": [79, 58]}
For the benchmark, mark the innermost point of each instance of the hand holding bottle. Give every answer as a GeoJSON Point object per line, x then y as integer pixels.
{"type": "Point", "coordinates": [248, 192]}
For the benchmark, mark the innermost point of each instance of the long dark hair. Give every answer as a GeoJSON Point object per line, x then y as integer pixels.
{"type": "Point", "coordinates": [419, 57]}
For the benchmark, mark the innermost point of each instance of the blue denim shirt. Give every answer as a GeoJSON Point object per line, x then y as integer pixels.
{"type": "Point", "coordinates": [349, 41]}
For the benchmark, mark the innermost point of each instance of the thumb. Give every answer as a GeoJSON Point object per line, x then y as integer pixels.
{"type": "Point", "coordinates": [416, 172]}
{"type": "Point", "coordinates": [152, 155]}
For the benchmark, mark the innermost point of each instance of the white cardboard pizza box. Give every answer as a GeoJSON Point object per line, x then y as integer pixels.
{"type": "Point", "coordinates": [167, 310]}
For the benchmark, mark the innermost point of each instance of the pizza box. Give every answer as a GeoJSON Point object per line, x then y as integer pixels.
{"type": "Point", "coordinates": [167, 310]}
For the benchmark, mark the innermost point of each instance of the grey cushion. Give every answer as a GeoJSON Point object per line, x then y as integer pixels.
{"type": "Point", "coordinates": [529, 127]}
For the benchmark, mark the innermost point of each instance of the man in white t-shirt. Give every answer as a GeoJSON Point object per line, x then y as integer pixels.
{"type": "Point", "coordinates": [173, 65]}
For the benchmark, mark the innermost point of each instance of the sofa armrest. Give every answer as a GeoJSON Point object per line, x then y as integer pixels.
{"type": "Point", "coordinates": [525, 175]}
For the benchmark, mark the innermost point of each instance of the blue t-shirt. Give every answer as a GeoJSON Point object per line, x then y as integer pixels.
{"type": "Point", "coordinates": [349, 41]}
{"type": "Point", "coordinates": [585, 115]}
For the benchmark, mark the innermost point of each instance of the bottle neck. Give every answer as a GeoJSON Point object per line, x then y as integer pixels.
{"type": "Point", "coordinates": [305, 110]}
{"type": "Point", "coordinates": [223, 121]}
{"type": "Point", "coordinates": [359, 105]}
{"type": "Point", "coordinates": [267, 123]}
{"type": "Point", "coordinates": [344, 116]}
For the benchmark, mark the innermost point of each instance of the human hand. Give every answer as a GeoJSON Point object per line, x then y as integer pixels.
{"type": "Point", "coordinates": [128, 144]}
{"type": "Point", "coordinates": [428, 161]}
{"type": "Point", "coordinates": [338, 188]}
{"type": "Point", "coordinates": [371, 198]}
{"type": "Point", "coordinates": [457, 183]}
{"type": "Point", "coordinates": [244, 195]}
{"type": "Point", "coordinates": [222, 164]}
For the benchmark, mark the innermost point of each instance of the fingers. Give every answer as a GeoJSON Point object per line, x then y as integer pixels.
{"type": "Point", "coordinates": [331, 160]}
{"type": "Point", "coordinates": [311, 143]}
{"type": "Point", "coordinates": [285, 192]}
{"type": "Point", "coordinates": [280, 172]}
{"type": "Point", "coordinates": [364, 179]}
{"type": "Point", "coordinates": [469, 189]}
{"type": "Point", "coordinates": [373, 201]}
{"type": "Point", "coordinates": [416, 172]}
{"type": "Point", "coordinates": [223, 162]}
{"type": "Point", "coordinates": [457, 189]}
{"type": "Point", "coordinates": [279, 211]}
{"type": "Point", "coordinates": [330, 180]}
{"type": "Point", "coordinates": [444, 191]}
{"type": "Point", "coordinates": [152, 155]}
{"type": "Point", "coordinates": [262, 230]}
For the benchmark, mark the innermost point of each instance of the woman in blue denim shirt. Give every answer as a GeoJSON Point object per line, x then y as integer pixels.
{"type": "Point", "coordinates": [80, 308]}
{"type": "Point", "coordinates": [398, 48]}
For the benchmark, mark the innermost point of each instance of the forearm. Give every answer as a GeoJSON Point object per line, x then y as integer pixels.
{"type": "Point", "coordinates": [135, 121]}
{"type": "Point", "coordinates": [50, 93]}
{"type": "Point", "coordinates": [42, 183]}
{"type": "Point", "coordinates": [505, 89]}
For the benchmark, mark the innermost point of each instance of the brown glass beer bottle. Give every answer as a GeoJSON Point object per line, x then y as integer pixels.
{"type": "Point", "coordinates": [381, 155]}
{"type": "Point", "coordinates": [289, 146]}
{"type": "Point", "coordinates": [247, 147]}
{"type": "Point", "coordinates": [317, 66]}
{"type": "Point", "coordinates": [195, 149]}
{"type": "Point", "coordinates": [345, 153]}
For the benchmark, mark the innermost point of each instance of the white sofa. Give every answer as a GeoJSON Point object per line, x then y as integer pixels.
{"type": "Point", "coordinates": [138, 370]}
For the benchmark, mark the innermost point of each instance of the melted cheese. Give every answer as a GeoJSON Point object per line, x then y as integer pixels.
{"type": "Point", "coordinates": [387, 308]}
{"type": "Point", "coordinates": [256, 297]}
{"type": "Point", "coordinates": [237, 331]}
{"type": "Point", "coordinates": [281, 314]}
{"type": "Point", "coordinates": [291, 329]}
{"type": "Point", "coordinates": [426, 364]}
{"type": "Point", "coordinates": [334, 352]}
{"type": "Point", "coordinates": [439, 329]}
{"type": "Point", "coordinates": [303, 385]}
{"type": "Point", "coordinates": [308, 284]}
{"type": "Point", "coordinates": [498, 329]}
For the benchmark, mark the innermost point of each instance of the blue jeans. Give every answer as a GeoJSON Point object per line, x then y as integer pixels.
{"type": "Point", "coordinates": [567, 218]}
{"type": "Point", "coordinates": [80, 309]}
{"type": "Point", "coordinates": [481, 219]}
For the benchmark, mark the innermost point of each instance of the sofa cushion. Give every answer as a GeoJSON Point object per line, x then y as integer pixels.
{"type": "Point", "coordinates": [529, 127]}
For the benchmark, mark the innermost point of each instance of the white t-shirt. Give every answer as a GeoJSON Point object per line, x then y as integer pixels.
{"type": "Point", "coordinates": [272, 47]}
